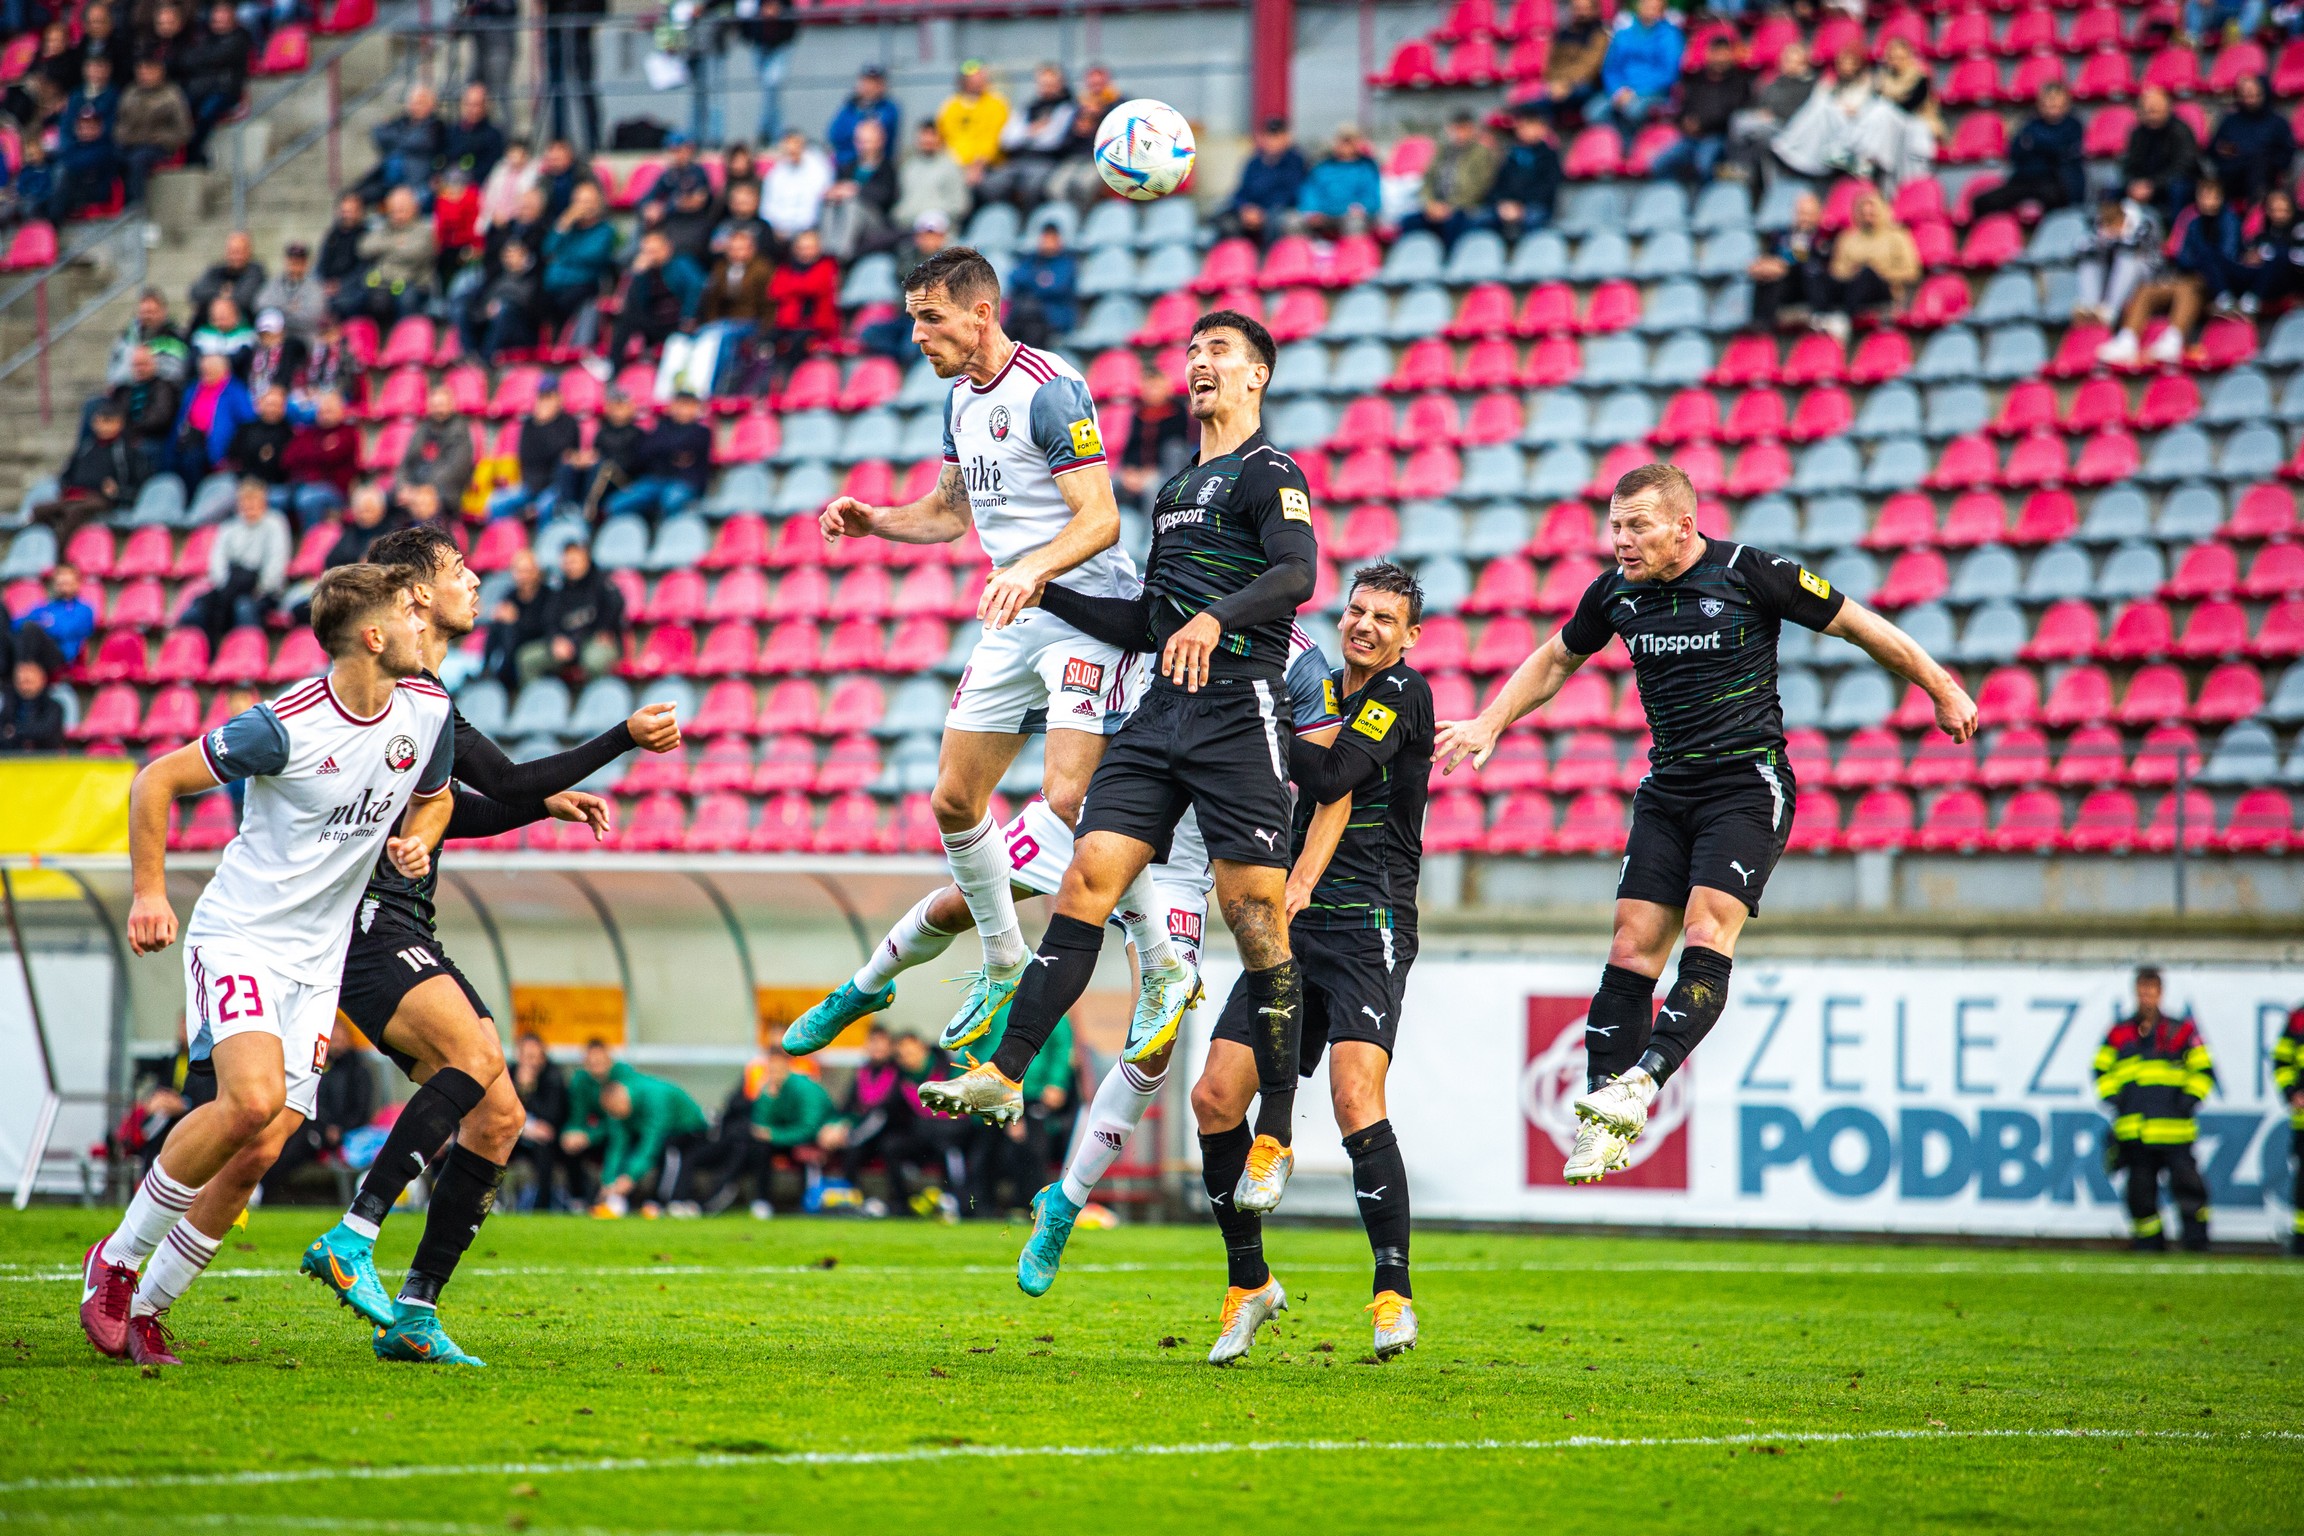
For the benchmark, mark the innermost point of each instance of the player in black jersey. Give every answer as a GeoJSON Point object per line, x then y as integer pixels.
{"type": "Point", "coordinates": [1358, 842]}
{"type": "Point", "coordinates": [1232, 556]}
{"type": "Point", "coordinates": [1701, 618]}
{"type": "Point", "coordinates": [403, 992]}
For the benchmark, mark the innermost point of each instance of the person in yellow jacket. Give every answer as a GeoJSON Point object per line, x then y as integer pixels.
{"type": "Point", "coordinates": [2152, 1072]}
{"type": "Point", "coordinates": [971, 120]}
{"type": "Point", "coordinates": [2288, 1081]}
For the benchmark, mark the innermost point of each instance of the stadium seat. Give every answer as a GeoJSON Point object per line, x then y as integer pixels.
{"type": "Point", "coordinates": [2031, 822]}
{"type": "Point", "coordinates": [2263, 821]}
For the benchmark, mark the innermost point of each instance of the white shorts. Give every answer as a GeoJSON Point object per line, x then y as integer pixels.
{"type": "Point", "coordinates": [1041, 674]}
{"type": "Point", "coordinates": [230, 988]}
{"type": "Point", "coordinates": [1040, 846]}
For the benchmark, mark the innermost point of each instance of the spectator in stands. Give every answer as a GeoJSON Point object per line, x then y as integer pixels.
{"type": "Point", "coordinates": [214, 407]}
{"type": "Point", "coordinates": [518, 620]}
{"type": "Point", "coordinates": [88, 170]}
{"type": "Point", "coordinates": [98, 94]}
{"type": "Point", "coordinates": [930, 180]}
{"type": "Point", "coordinates": [772, 34]}
{"type": "Point", "coordinates": [1642, 66]}
{"type": "Point", "coordinates": [502, 192]}
{"type": "Point", "coordinates": [247, 566]}
{"type": "Point", "coordinates": [1270, 183]}
{"type": "Point", "coordinates": [2206, 246]}
{"type": "Point", "coordinates": [1454, 194]}
{"type": "Point", "coordinates": [213, 69]}
{"type": "Point", "coordinates": [2046, 164]}
{"type": "Point", "coordinates": [543, 1094]}
{"type": "Point", "coordinates": [806, 293]}
{"type": "Point", "coordinates": [277, 359]}
{"type": "Point", "coordinates": [1775, 102]}
{"type": "Point", "coordinates": [583, 628]}
{"type": "Point", "coordinates": [1789, 267]}
{"type": "Point", "coordinates": [65, 619]}
{"type": "Point", "coordinates": [1159, 439]}
{"type": "Point", "coordinates": [789, 1116]}
{"type": "Point", "coordinates": [661, 295]}
{"type": "Point", "coordinates": [439, 451]}
{"type": "Point", "coordinates": [473, 144]}
{"type": "Point", "coordinates": [1709, 99]}
{"type": "Point", "coordinates": [455, 226]}
{"type": "Point", "coordinates": [741, 210]}
{"type": "Point", "coordinates": [163, 37]}
{"type": "Point", "coordinates": [148, 402]}
{"type": "Point", "coordinates": [1847, 126]}
{"type": "Point", "coordinates": [330, 367]}
{"type": "Point", "coordinates": [654, 1128]}
{"type": "Point", "coordinates": [1903, 81]}
{"type": "Point", "coordinates": [31, 717]}
{"type": "Point", "coordinates": [2123, 252]}
{"type": "Point", "coordinates": [154, 124]}
{"type": "Point", "coordinates": [299, 296]}
{"type": "Point", "coordinates": [736, 294]}
{"type": "Point", "coordinates": [259, 450]}
{"type": "Point", "coordinates": [2253, 145]}
{"type": "Point", "coordinates": [397, 255]}
{"type": "Point", "coordinates": [793, 187]}
{"type": "Point", "coordinates": [151, 329]}
{"type": "Point", "coordinates": [1572, 68]}
{"type": "Point", "coordinates": [101, 36]}
{"type": "Point", "coordinates": [680, 204]}
{"type": "Point", "coordinates": [868, 103]}
{"type": "Point", "coordinates": [612, 461]}
{"type": "Point", "coordinates": [972, 120]}
{"type": "Point", "coordinates": [323, 461]}
{"type": "Point", "coordinates": [368, 519]}
{"type": "Point", "coordinates": [1527, 184]}
{"type": "Point", "coordinates": [409, 147]}
{"type": "Point", "coordinates": [1043, 290]}
{"type": "Point", "coordinates": [1874, 265]}
{"type": "Point", "coordinates": [421, 501]}
{"type": "Point", "coordinates": [102, 476]}
{"type": "Point", "coordinates": [224, 332]}
{"type": "Point", "coordinates": [345, 1102]}
{"type": "Point", "coordinates": [857, 207]}
{"type": "Point", "coordinates": [560, 173]}
{"type": "Point", "coordinates": [570, 69]}
{"type": "Point", "coordinates": [340, 264]}
{"type": "Point", "coordinates": [2271, 266]}
{"type": "Point", "coordinates": [2162, 151]}
{"type": "Point", "coordinates": [2217, 21]}
{"type": "Point", "coordinates": [1075, 178]}
{"type": "Point", "coordinates": [675, 464]}
{"type": "Point", "coordinates": [35, 183]}
{"type": "Point", "coordinates": [502, 315]}
{"type": "Point", "coordinates": [579, 256]}
{"type": "Point", "coordinates": [547, 437]}
{"type": "Point", "coordinates": [1345, 192]}
{"type": "Point", "coordinates": [1031, 144]}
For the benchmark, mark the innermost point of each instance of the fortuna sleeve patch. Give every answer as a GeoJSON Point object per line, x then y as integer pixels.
{"type": "Point", "coordinates": [1373, 721]}
{"type": "Point", "coordinates": [1085, 440]}
{"type": "Point", "coordinates": [1815, 583]}
{"type": "Point", "coordinates": [1295, 506]}
{"type": "Point", "coordinates": [1328, 696]}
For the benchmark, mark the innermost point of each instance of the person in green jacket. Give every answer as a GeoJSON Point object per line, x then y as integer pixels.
{"type": "Point", "coordinates": [653, 1128]}
{"type": "Point", "coordinates": [585, 1130]}
{"type": "Point", "coordinates": [788, 1121]}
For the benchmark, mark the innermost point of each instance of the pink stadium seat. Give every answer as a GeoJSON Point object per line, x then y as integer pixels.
{"type": "Point", "coordinates": [723, 823]}
{"type": "Point", "coordinates": [1429, 419]}
{"type": "Point", "coordinates": [111, 715]}
{"type": "Point", "coordinates": [2008, 696]}
{"type": "Point", "coordinates": [2081, 696]}
{"type": "Point", "coordinates": [649, 773]}
{"type": "Point", "coordinates": [1592, 823]}
{"type": "Point", "coordinates": [874, 381]}
{"type": "Point", "coordinates": [2199, 823]}
{"type": "Point", "coordinates": [2105, 76]}
{"type": "Point", "coordinates": [242, 658]}
{"type": "Point", "coordinates": [849, 764]}
{"type": "Point", "coordinates": [1569, 527]}
{"type": "Point", "coordinates": [1980, 517]}
{"type": "Point", "coordinates": [1432, 472]}
{"type": "Point", "coordinates": [174, 715]}
{"type": "Point", "coordinates": [1761, 469]}
{"type": "Point", "coordinates": [2105, 823]}
{"type": "Point", "coordinates": [1882, 355]}
{"type": "Point", "coordinates": [1905, 520]}
{"type": "Point", "coordinates": [788, 762]}
{"type": "Point", "coordinates": [409, 345]}
{"type": "Point", "coordinates": [1815, 358]}
{"type": "Point", "coordinates": [1594, 153]}
{"type": "Point", "coordinates": [2098, 403]}
{"type": "Point", "coordinates": [2263, 512]}
{"type": "Point", "coordinates": [1168, 322]}
{"type": "Point", "coordinates": [728, 710]}
{"type": "Point", "coordinates": [183, 658]}
{"type": "Point", "coordinates": [2170, 399]}
{"type": "Point", "coordinates": [1453, 823]}
{"type": "Point", "coordinates": [677, 599]}
{"type": "Point", "coordinates": [1553, 362]}
{"type": "Point", "coordinates": [2214, 630]}
{"type": "Point", "coordinates": [790, 649]}
{"type": "Point", "coordinates": [1229, 264]}
{"type": "Point", "coordinates": [2276, 572]}
{"type": "Point", "coordinates": [2067, 632]}
{"type": "Point", "coordinates": [786, 825]}
{"type": "Point", "coordinates": [2226, 341]}
{"type": "Point", "coordinates": [916, 645]}
{"type": "Point", "coordinates": [2037, 459]}
{"type": "Point", "coordinates": [1973, 82]}
{"type": "Point", "coordinates": [1748, 359]}
{"type": "Point", "coordinates": [2016, 756]}
{"type": "Point", "coordinates": [2164, 748]}
{"type": "Point", "coordinates": [2232, 692]}
{"type": "Point", "coordinates": [2288, 69]}
{"type": "Point", "coordinates": [1493, 364]}
{"type": "Point", "coordinates": [2281, 635]}
{"type": "Point", "coordinates": [1815, 822]}
{"type": "Point", "coordinates": [2029, 406]}
{"type": "Point", "coordinates": [1881, 819]}
{"type": "Point", "coordinates": [1758, 415]}
{"type": "Point", "coordinates": [2047, 517]}
{"type": "Point", "coordinates": [2107, 458]}
{"type": "Point", "coordinates": [2093, 755]}
{"type": "Point", "coordinates": [1614, 306]}
{"type": "Point", "coordinates": [2175, 70]}
{"type": "Point", "coordinates": [2205, 570]}
{"type": "Point", "coordinates": [2031, 822]}
{"type": "Point", "coordinates": [1941, 299]}
{"type": "Point", "coordinates": [1966, 33]}
{"type": "Point", "coordinates": [1980, 137]}
{"type": "Point", "coordinates": [2263, 821]}
{"type": "Point", "coordinates": [1486, 311]}
{"type": "Point", "coordinates": [1621, 460]}
{"type": "Point", "coordinates": [1366, 419]}
{"type": "Point", "coordinates": [1293, 262]}
{"type": "Point", "coordinates": [1444, 648]}
{"type": "Point", "coordinates": [1364, 475]}
{"type": "Point", "coordinates": [1415, 65]}
{"type": "Point", "coordinates": [1496, 418]}
{"type": "Point", "coordinates": [140, 604]}
{"type": "Point", "coordinates": [92, 549]}
{"type": "Point", "coordinates": [2076, 353]}
{"type": "Point", "coordinates": [299, 657]}
{"type": "Point", "coordinates": [1519, 764]}
{"type": "Point", "coordinates": [668, 651]}
{"type": "Point", "coordinates": [855, 645]}
{"type": "Point", "coordinates": [1469, 19]}
{"type": "Point", "coordinates": [2155, 693]}
{"type": "Point", "coordinates": [212, 822]}
{"type": "Point", "coordinates": [2031, 30]}
{"type": "Point", "coordinates": [657, 824]}
{"type": "Point", "coordinates": [851, 825]}
{"type": "Point", "coordinates": [1503, 645]}
{"type": "Point", "coordinates": [1965, 461]}
{"type": "Point", "coordinates": [151, 552]}
{"type": "Point", "coordinates": [855, 705]}
{"type": "Point", "coordinates": [117, 658]}
{"type": "Point", "coordinates": [1474, 63]}
{"type": "Point", "coordinates": [1523, 821]}
{"type": "Point", "coordinates": [1826, 411]}
{"type": "Point", "coordinates": [1956, 822]}
{"type": "Point", "coordinates": [1918, 576]}
{"type": "Point", "coordinates": [1504, 586]}
{"type": "Point", "coordinates": [741, 542]}
{"type": "Point", "coordinates": [1651, 142]}
{"type": "Point", "coordinates": [1689, 415]}
{"type": "Point", "coordinates": [1873, 755]}
{"type": "Point", "coordinates": [2141, 631]}
{"type": "Point", "coordinates": [401, 396]}
{"type": "Point", "coordinates": [2093, 26]}
{"type": "Point", "coordinates": [1583, 702]}
{"type": "Point", "coordinates": [1296, 314]}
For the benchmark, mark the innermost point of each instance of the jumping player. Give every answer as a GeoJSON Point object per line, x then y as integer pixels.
{"type": "Point", "coordinates": [1233, 555]}
{"type": "Point", "coordinates": [1024, 463]}
{"type": "Point", "coordinates": [1701, 618]}
{"type": "Point", "coordinates": [332, 765]}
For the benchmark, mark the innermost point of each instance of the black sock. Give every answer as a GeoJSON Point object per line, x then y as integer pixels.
{"type": "Point", "coordinates": [1690, 1010]}
{"type": "Point", "coordinates": [1223, 1157]}
{"type": "Point", "coordinates": [1276, 1035]}
{"type": "Point", "coordinates": [462, 1197]}
{"type": "Point", "coordinates": [1380, 1186]}
{"type": "Point", "coordinates": [1053, 982]}
{"type": "Point", "coordinates": [1616, 1029]}
{"type": "Point", "coordinates": [429, 1119]}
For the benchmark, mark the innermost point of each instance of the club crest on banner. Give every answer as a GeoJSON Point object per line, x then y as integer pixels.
{"type": "Point", "coordinates": [1550, 1083]}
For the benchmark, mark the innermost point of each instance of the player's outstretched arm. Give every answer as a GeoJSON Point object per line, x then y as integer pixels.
{"type": "Point", "coordinates": [158, 785]}
{"type": "Point", "coordinates": [1530, 687]}
{"type": "Point", "coordinates": [936, 518]}
{"type": "Point", "coordinates": [1901, 654]}
{"type": "Point", "coordinates": [1095, 527]}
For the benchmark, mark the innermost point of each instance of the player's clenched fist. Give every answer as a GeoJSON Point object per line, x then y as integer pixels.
{"type": "Point", "coordinates": [844, 517]}
{"type": "Point", "coordinates": [1461, 739]}
{"type": "Point", "coordinates": [151, 925]}
{"type": "Point", "coordinates": [654, 727]}
{"type": "Point", "coordinates": [1956, 713]}
{"type": "Point", "coordinates": [409, 856]}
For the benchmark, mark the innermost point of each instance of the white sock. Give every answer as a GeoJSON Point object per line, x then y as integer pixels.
{"type": "Point", "coordinates": [1146, 919]}
{"type": "Point", "coordinates": [1113, 1114]}
{"type": "Point", "coordinates": [159, 1203]}
{"type": "Point", "coordinates": [362, 1225]}
{"type": "Point", "coordinates": [182, 1255]}
{"type": "Point", "coordinates": [979, 860]}
{"type": "Point", "coordinates": [913, 941]}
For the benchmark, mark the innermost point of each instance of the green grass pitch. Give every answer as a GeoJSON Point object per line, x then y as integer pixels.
{"type": "Point", "coordinates": [820, 1376]}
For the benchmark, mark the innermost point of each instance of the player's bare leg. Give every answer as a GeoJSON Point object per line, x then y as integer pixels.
{"type": "Point", "coordinates": [1710, 924]}
{"type": "Point", "coordinates": [967, 771]}
{"type": "Point", "coordinates": [1356, 1072]}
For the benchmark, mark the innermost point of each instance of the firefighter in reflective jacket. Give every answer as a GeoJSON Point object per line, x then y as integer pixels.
{"type": "Point", "coordinates": [2152, 1072]}
{"type": "Point", "coordinates": [2288, 1079]}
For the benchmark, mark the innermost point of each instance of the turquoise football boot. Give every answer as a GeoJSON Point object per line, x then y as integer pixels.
{"type": "Point", "coordinates": [984, 1010]}
{"type": "Point", "coordinates": [1052, 1218]}
{"type": "Point", "coordinates": [345, 1262]}
{"type": "Point", "coordinates": [416, 1336]}
{"type": "Point", "coordinates": [821, 1025]}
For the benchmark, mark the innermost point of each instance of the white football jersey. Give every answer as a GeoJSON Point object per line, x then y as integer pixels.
{"type": "Point", "coordinates": [325, 789]}
{"type": "Point", "coordinates": [1011, 439]}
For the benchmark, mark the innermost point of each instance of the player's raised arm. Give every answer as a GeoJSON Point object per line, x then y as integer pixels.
{"type": "Point", "coordinates": [1530, 687]}
{"type": "Point", "coordinates": [158, 785]}
{"type": "Point", "coordinates": [1881, 640]}
{"type": "Point", "coordinates": [1063, 421]}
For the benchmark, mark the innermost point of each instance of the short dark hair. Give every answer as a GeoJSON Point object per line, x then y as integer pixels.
{"type": "Point", "coordinates": [349, 594]}
{"type": "Point", "coordinates": [961, 271]}
{"type": "Point", "coordinates": [2150, 973]}
{"type": "Point", "coordinates": [1247, 325]}
{"type": "Point", "coordinates": [424, 549]}
{"type": "Point", "coordinates": [1398, 580]}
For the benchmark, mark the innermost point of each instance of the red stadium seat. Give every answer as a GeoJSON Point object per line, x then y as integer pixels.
{"type": "Point", "coordinates": [1689, 415]}
{"type": "Point", "coordinates": [856, 705]}
{"type": "Point", "coordinates": [2098, 403]}
{"type": "Point", "coordinates": [1594, 153]}
{"type": "Point", "coordinates": [1495, 418]}
{"type": "Point", "coordinates": [1758, 415]}
{"type": "Point", "coordinates": [648, 773]}
{"type": "Point", "coordinates": [2263, 821]}
{"type": "Point", "coordinates": [1760, 470]}
{"type": "Point", "coordinates": [1523, 821]}
{"type": "Point", "coordinates": [2105, 823]}
{"type": "Point", "coordinates": [1880, 356]}
{"type": "Point", "coordinates": [2163, 750]}
{"type": "Point", "coordinates": [1815, 822]}
{"type": "Point", "coordinates": [1965, 461]}
{"type": "Point", "coordinates": [2263, 512]}
{"type": "Point", "coordinates": [2047, 517]}
{"type": "Point", "coordinates": [2215, 630]}
{"type": "Point", "coordinates": [2031, 822]}
{"type": "Point", "coordinates": [1429, 419]}
{"type": "Point", "coordinates": [183, 657]}
{"type": "Point", "coordinates": [2276, 572]}
{"type": "Point", "coordinates": [668, 651]}
{"type": "Point", "coordinates": [1503, 645]}
{"type": "Point", "coordinates": [729, 709]}
{"type": "Point", "coordinates": [117, 658]}
{"type": "Point", "coordinates": [1453, 823]}
{"type": "Point", "coordinates": [1444, 647]}
{"type": "Point", "coordinates": [1614, 306]}
{"type": "Point", "coordinates": [2081, 696]}
{"type": "Point", "coordinates": [1486, 311]}
{"type": "Point", "coordinates": [2155, 693]}
{"type": "Point", "coordinates": [2107, 458]}
{"type": "Point", "coordinates": [2198, 815]}
{"type": "Point", "coordinates": [2076, 353]}
{"type": "Point", "coordinates": [1504, 586]}
{"type": "Point", "coordinates": [2278, 638]}
{"type": "Point", "coordinates": [2037, 460]}
{"type": "Point", "coordinates": [1980, 517]}
{"type": "Point", "coordinates": [2067, 632]}
{"type": "Point", "coordinates": [1823, 412]}
{"type": "Point", "coordinates": [1905, 520]}
{"type": "Point", "coordinates": [1973, 82]}
{"type": "Point", "coordinates": [742, 595]}
{"type": "Point", "coordinates": [1873, 755]}
{"type": "Point", "coordinates": [1553, 362]}
{"type": "Point", "coordinates": [2029, 406]}
{"type": "Point", "coordinates": [1941, 299]}
{"type": "Point", "coordinates": [299, 657]}
{"type": "Point", "coordinates": [1956, 823]}
{"type": "Point", "coordinates": [2205, 571]}
{"type": "Point", "coordinates": [1592, 823]}
{"type": "Point", "coordinates": [786, 825]}
{"type": "Point", "coordinates": [1748, 359]}
{"type": "Point", "coordinates": [2014, 757]}
{"type": "Point", "coordinates": [2170, 399]}
{"type": "Point", "coordinates": [1978, 138]}
{"type": "Point", "coordinates": [2232, 692]}
{"type": "Point", "coordinates": [2141, 631]}
{"type": "Point", "coordinates": [2008, 696]}
{"type": "Point", "coordinates": [1918, 576]}
{"type": "Point", "coordinates": [1815, 358]}
{"type": "Point", "coordinates": [140, 604]}
{"type": "Point", "coordinates": [2094, 754]}
{"type": "Point", "coordinates": [850, 763]}
{"type": "Point", "coordinates": [1493, 364]}
{"type": "Point", "coordinates": [790, 649]}
{"type": "Point", "coordinates": [2105, 76]}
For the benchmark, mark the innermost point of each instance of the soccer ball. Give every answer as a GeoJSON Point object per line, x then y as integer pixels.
{"type": "Point", "coordinates": [1144, 149]}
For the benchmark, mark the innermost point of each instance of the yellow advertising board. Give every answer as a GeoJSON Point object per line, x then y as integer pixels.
{"type": "Point", "coordinates": [561, 1015]}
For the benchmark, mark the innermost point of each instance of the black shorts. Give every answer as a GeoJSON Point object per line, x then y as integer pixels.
{"type": "Point", "coordinates": [1723, 828]}
{"type": "Point", "coordinates": [1354, 982]}
{"type": "Point", "coordinates": [1222, 752]}
{"type": "Point", "coordinates": [389, 958]}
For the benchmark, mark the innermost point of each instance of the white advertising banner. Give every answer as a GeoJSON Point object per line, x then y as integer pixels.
{"type": "Point", "coordinates": [1834, 1097]}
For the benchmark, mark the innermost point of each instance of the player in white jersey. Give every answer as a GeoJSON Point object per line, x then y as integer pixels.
{"type": "Point", "coordinates": [333, 766]}
{"type": "Point", "coordinates": [1024, 464]}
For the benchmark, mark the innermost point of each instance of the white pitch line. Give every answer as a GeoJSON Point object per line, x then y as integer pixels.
{"type": "Point", "coordinates": [238, 1521]}
{"type": "Point", "coordinates": [717, 1462]}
